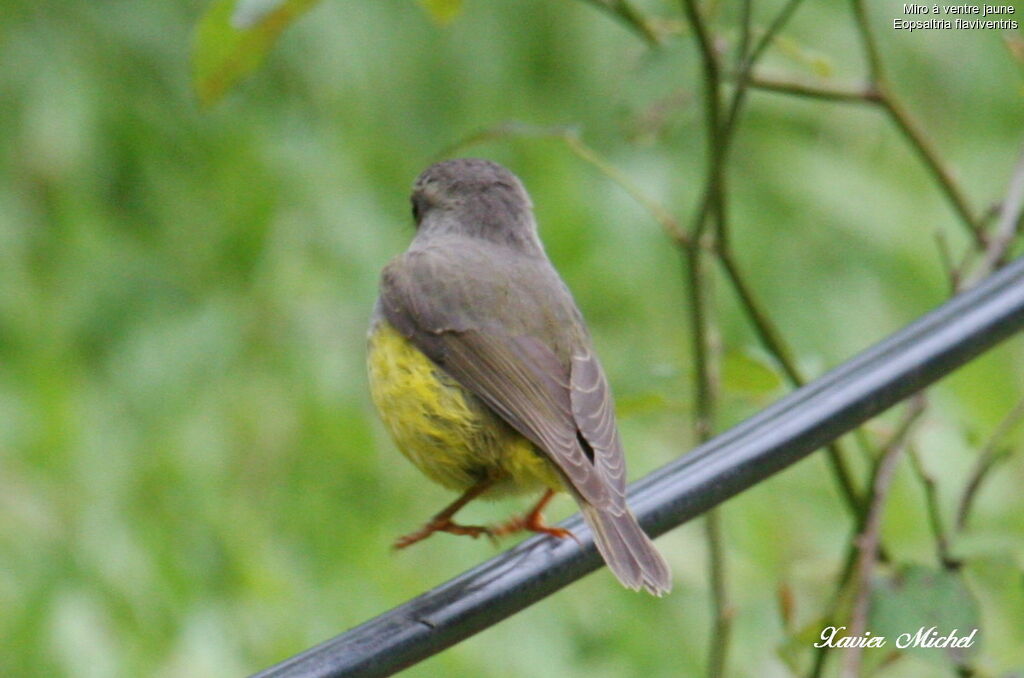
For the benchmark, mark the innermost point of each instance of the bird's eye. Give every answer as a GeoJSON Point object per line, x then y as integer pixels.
{"type": "Point", "coordinates": [416, 210]}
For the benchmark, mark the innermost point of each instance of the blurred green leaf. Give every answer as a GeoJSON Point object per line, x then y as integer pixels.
{"type": "Point", "coordinates": [748, 373]}
{"type": "Point", "coordinates": [647, 402]}
{"type": "Point", "coordinates": [818, 63]}
{"type": "Point", "coordinates": [921, 597]}
{"type": "Point", "coordinates": [1016, 46]}
{"type": "Point", "coordinates": [233, 38]}
{"type": "Point", "coordinates": [442, 12]}
{"type": "Point", "coordinates": [795, 651]}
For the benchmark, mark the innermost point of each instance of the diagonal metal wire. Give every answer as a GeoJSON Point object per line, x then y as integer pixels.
{"type": "Point", "coordinates": [787, 431]}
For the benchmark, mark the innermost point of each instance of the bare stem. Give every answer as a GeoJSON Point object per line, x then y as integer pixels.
{"type": "Point", "coordinates": [668, 223]}
{"type": "Point", "coordinates": [1008, 225]}
{"type": "Point", "coordinates": [698, 280]}
{"type": "Point", "coordinates": [867, 39]}
{"type": "Point", "coordinates": [823, 92]}
{"type": "Point", "coordinates": [916, 138]}
{"type": "Point", "coordinates": [701, 327]}
{"type": "Point", "coordinates": [772, 341]}
{"type": "Point", "coordinates": [747, 64]}
{"type": "Point", "coordinates": [722, 629]}
{"type": "Point", "coordinates": [867, 541]}
{"type": "Point", "coordinates": [627, 13]}
{"type": "Point", "coordinates": [713, 194]}
{"type": "Point", "coordinates": [990, 454]}
{"type": "Point", "coordinates": [588, 154]}
{"type": "Point", "coordinates": [931, 496]}
{"type": "Point", "coordinates": [909, 129]}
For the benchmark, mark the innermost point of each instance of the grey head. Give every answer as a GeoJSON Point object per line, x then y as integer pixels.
{"type": "Point", "coordinates": [478, 199]}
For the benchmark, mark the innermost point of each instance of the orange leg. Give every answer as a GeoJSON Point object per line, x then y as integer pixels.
{"type": "Point", "coordinates": [533, 522]}
{"type": "Point", "coordinates": [442, 522]}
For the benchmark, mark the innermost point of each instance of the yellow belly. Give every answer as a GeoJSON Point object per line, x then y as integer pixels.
{"type": "Point", "coordinates": [443, 429]}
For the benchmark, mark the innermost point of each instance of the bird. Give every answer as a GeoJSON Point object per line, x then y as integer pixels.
{"type": "Point", "coordinates": [484, 374]}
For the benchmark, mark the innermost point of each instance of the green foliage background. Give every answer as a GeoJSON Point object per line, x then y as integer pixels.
{"type": "Point", "coordinates": [192, 481]}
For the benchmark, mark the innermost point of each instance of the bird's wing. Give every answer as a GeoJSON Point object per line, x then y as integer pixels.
{"type": "Point", "coordinates": [594, 413]}
{"type": "Point", "coordinates": [516, 374]}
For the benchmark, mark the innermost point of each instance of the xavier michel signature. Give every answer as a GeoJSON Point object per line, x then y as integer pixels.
{"type": "Point", "coordinates": [923, 637]}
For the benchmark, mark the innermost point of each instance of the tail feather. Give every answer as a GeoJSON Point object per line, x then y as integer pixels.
{"type": "Point", "coordinates": [629, 552]}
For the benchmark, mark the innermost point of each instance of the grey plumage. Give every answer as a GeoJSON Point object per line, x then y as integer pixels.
{"type": "Point", "coordinates": [477, 294]}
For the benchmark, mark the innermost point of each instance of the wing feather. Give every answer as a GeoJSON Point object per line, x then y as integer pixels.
{"type": "Point", "coordinates": [516, 375]}
{"type": "Point", "coordinates": [594, 413]}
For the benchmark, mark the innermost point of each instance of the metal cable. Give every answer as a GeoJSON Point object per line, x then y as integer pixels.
{"type": "Point", "coordinates": [785, 432]}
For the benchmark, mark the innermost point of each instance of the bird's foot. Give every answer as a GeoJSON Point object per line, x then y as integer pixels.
{"type": "Point", "coordinates": [532, 522]}
{"type": "Point", "coordinates": [442, 525]}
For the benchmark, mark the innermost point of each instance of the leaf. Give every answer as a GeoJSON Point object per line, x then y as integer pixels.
{"type": "Point", "coordinates": [442, 11]}
{"type": "Point", "coordinates": [920, 597]}
{"type": "Point", "coordinates": [1016, 46]}
{"type": "Point", "coordinates": [796, 650]}
{"type": "Point", "coordinates": [233, 38]}
{"type": "Point", "coordinates": [645, 403]}
{"type": "Point", "coordinates": [818, 63]}
{"type": "Point", "coordinates": [747, 373]}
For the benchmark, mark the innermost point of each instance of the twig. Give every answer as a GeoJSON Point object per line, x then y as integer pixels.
{"type": "Point", "coordinates": [909, 129]}
{"type": "Point", "coordinates": [661, 215]}
{"type": "Point", "coordinates": [913, 134]}
{"type": "Point", "coordinates": [814, 91]}
{"type": "Point", "coordinates": [1009, 223]}
{"type": "Point", "coordinates": [931, 496]}
{"type": "Point", "coordinates": [699, 286]}
{"type": "Point", "coordinates": [749, 61]}
{"type": "Point", "coordinates": [868, 41]}
{"type": "Point", "coordinates": [772, 341]}
{"type": "Point", "coordinates": [571, 137]}
{"type": "Point", "coordinates": [990, 453]}
{"type": "Point", "coordinates": [743, 44]}
{"type": "Point", "coordinates": [879, 92]}
{"type": "Point", "coordinates": [698, 280]}
{"type": "Point", "coordinates": [952, 271]}
{"type": "Point", "coordinates": [867, 541]}
{"type": "Point", "coordinates": [721, 137]}
{"type": "Point", "coordinates": [712, 199]}
{"type": "Point", "coordinates": [631, 17]}
{"type": "Point", "coordinates": [722, 633]}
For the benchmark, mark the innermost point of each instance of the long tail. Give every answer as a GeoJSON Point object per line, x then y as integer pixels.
{"type": "Point", "coordinates": [630, 554]}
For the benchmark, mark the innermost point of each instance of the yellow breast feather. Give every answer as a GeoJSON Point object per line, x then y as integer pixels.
{"type": "Point", "coordinates": [444, 430]}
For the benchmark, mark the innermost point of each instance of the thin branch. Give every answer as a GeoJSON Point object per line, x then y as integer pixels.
{"type": "Point", "coordinates": [931, 496]}
{"type": "Point", "coordinates": [814, 91]}
{"type": "Point", "coordinates": [722, 630]}
{"type": "Point", "coordinates": [909, 129]}
{"type": "Point", "coordinates": [867, 541]}
{"type": "Point", "coordinates": [913, 134]}
{"type": "Point", "coordinates": [743, 44]}
{"type": "Point", "coordinates": [668, 223]}
{"type": "Point", "coordinates": [721, 135]}
{"type": "Point", "coordinates": [712, 115]}
{"type": "Point", "coordinates": [627, 14]}
{"type": "Point", "coordinates": [1009, 224]}
{"type": "Point", "coordinates": [990, 454]}
{"type": "Point", "coordinates": [879, 92]}
{"type": "Point", "coordinates": [880, 95]}
{"type": "Point", "coordinates": [952, 271]}
{"type": "Point", "coordinates": [699, 280]}
{"type": "Point", "coordinates": [571, 137]}
{"type": "Point", "coordinates": [747, 65]}
{"type": "Point", "coordinates": [772, 342]}
{"type": "Point", "coordinates": [713, 203]}
{"type": "Point", "coordinates": [867, 38]}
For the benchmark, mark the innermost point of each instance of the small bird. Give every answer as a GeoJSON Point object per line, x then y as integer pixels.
{"type": "Point", "coordinates": [484, 374]}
